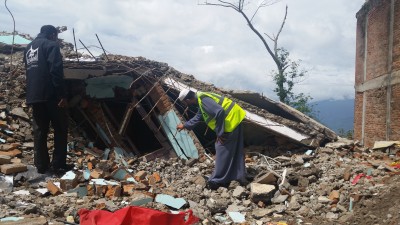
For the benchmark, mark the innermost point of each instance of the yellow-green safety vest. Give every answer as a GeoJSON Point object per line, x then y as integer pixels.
{"type": "Point", "coordinates": [234, 114]}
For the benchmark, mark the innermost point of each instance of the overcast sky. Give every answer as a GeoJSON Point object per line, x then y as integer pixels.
{"type": "Point", "coordinates": [212, 43]}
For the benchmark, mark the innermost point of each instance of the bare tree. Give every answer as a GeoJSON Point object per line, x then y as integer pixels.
{"type": "Point", "coordinates": [239, 7]}
{"type": "Point", "coordinates": [287, 73]}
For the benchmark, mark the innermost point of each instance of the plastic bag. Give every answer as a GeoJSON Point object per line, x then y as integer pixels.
{"type": "Point", "coordinates": [134, 215]}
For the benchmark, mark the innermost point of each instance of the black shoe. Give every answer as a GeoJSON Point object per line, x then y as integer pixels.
{"type": "Point", "coordinates": [60, 171]}
{"type": "Point", "coordinates": [42, 170]}
{"type": "Point", "coordinates": [213, 185]}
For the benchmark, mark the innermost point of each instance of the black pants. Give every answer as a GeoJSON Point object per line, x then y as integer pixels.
{"type": "Point", "coordinates": [43, 114]}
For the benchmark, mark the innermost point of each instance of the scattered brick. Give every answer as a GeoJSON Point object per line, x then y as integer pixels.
{"type": "Point", "coordinates": [12, 153]}
{"type": "Point", "coordinates": [13, 168]}
{"type": "Point", "coordinates": [5, 159]}
{"type": "Point", "coordinates": [140, 175]}
{"type": "Point", "coordinates": [53, 189]}
{"type": "Point", "coordinates": [97, 173]}
{"type": "Point", "coordinates": [113, 191]}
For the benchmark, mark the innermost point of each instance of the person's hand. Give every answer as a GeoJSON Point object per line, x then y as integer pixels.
{"type": "Point", "coordinates": [220, 140]}
{"type": "Point", "coordinates": [62, 103]}
{"type": "Point", "coordinates": [180, 127]}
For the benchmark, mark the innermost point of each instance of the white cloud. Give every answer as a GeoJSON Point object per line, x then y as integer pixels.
{"type": "Point", "coordinates": [212, 43]}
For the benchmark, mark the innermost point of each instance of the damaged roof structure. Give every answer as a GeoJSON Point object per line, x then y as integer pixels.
{"type": "Point", "coordinates": [131, 103]}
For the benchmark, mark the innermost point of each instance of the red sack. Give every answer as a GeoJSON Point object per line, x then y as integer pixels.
{"type": "Point", "coordinates": [134, 215]}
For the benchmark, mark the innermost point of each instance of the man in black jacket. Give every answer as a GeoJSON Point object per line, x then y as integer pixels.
{"type": "Point", "coordinates": [46, 93]}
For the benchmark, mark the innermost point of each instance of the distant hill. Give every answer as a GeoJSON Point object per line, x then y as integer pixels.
{"type": "Point", "coordinates": [336, 114]}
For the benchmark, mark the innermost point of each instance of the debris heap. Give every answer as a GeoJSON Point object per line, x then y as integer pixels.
{"type": "Point", "coordinates": [337, 182]}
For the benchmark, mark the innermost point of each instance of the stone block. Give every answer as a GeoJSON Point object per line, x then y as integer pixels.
{"type": "Point", "coordinates": [268, 178]}
{"type": "Point", "coordinates": [140, 198]}
{"type": "Point", "coordinates": [5, 159]}
{"type": "Point", "coordinates": [20, 113]}
{"type": "Point", "coordinates": [8, 147]}
{"type": "Point", "coordinates": [128, 189]}
{"type": "Point", "coordinates": [191, 162]}
{"type": "Point", "coordinates": [238, 192]}
{"type": "Point", "coordinates": [261, 192]}
{"type": "Point", "coordinates": [68, 181]}
{"type": "Point", "coordinates": [199, 180]}
{"type": "Point", "coordinates": [303, 182]}
{"type": "Point", "coordinates": [11, 153]}
{"type": "Point", "coordinates": [323, 199]}
{"type": "Point", "coordinates": [16, 160]}
{"type": "Point", "coordinates": [140, 175]}
{"type": "Point", "coordinates": [13, 168]}
{"type": "Point", "coordinates": [334, 195]}
{"type": "Point", "coordinates": [279, 198]}
{"type": "Point", "coordinates": [347, 174]}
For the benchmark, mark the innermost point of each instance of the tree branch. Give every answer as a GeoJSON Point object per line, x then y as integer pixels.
{"type": "Point", "coordinates": [223, 4]}
{"type": "Point", "coordinates": [276, 60]}
{"type": "Point", "coordinates": [280, 29]}
{"type": "Point", "coordinates": [272, 39]}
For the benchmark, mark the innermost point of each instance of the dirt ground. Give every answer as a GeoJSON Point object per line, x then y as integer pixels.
{"type": "Point", "coordinates": [380, 209]}
{"type": "Point", "coordinates": [383, 208]}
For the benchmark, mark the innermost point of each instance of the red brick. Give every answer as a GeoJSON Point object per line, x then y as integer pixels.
{"type": "Point", "coordinates": [12, 153]}
{"type": "Point", "coordinates": [13, 168]}
{"type": "Point", "coordinates": [113, 191]}
{"type": "Point", "coordinates": [53, 189]}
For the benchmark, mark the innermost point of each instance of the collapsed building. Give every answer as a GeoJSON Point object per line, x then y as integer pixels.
{"type": "Point", "coordinates": [131, 103]}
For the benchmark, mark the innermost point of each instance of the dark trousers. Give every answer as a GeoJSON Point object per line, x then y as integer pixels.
{"type": "Point", "coordinates": [229, 160]}
{"type": "Point", "coordinates": [43, 114]}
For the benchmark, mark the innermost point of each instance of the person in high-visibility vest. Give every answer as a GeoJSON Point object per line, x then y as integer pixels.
{"type": "Point", "coordinates": [224, 117]}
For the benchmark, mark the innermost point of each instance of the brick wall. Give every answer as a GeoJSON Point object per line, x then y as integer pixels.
{"type": "Point", "coordinates": [360, 50]}
{"type": "Point", "coordinates": [396, 38]}
{"type": "Point", "coordinates": [378, 37]}
{"type": "Point", "coordinates": [375, 120]}
{"type": "Point", "coordinates": [378, 41]}
{"type": "Point", "coordinates": [395, 113]}
{"type": "Point", "coordinates": [358, 116]}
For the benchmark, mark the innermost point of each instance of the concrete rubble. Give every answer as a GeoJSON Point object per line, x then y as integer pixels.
{"type": "Point", "coordinates": [291, 180]}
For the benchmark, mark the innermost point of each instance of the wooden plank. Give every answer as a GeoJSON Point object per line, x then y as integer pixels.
{"type": "Point", "coordinates": [124, 136]}
{"type": "Point", "coordinates": [93, 126]}
{"type": "Point", "coordinates": [126, 119]}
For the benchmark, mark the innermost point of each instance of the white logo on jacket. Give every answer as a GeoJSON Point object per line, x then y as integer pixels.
{"type": "Point", "coordinates": [32, 55]}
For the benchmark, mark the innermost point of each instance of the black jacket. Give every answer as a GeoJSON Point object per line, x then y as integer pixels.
{"type": "Point", "coordinates": [44, 71]}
